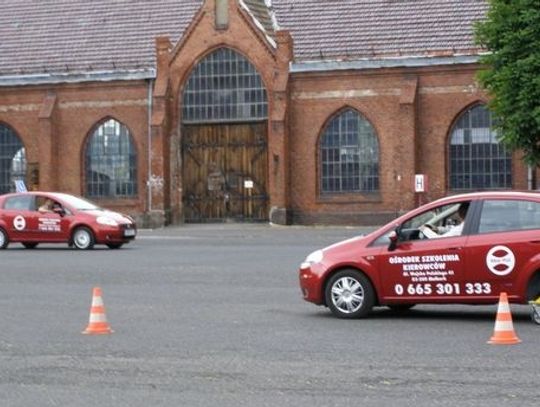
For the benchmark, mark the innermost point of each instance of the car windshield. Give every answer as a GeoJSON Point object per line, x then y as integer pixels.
{"type": "Point", "coordinates": [78, 203]}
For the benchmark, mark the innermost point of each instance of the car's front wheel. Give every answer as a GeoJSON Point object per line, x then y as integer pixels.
{"type": "Point", "coordinates": [83, 238]}
{"type": "Point", "coordinates": [349, 294]}
{"type": "Point", "coordinates": [4, 239]}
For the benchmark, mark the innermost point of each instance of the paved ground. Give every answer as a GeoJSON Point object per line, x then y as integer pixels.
{"type": "Point", "coordinates": [211, 315]}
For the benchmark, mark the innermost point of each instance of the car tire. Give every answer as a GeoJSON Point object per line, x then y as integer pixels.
{"type": "Point", "coordinates": [349, 294]}
{"type": "Point", "coordinates": [30, 245]}
{"type": "Point", "coordinates": [401, 307]}
{"type": "Point", "coordinates": [83, 238]}
{"type": "Point", "coordinates": [535, 314]}
{"type": "Point", "coordinates": [114, 245]}
{"type": "Point", "coordinates": [4, 239]}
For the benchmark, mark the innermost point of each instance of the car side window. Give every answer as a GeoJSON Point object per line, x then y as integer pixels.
{"type": "Point", "coordinates": [442, 221]}
{"type": "Point", "coordinates": [22, 203]}
{"type": "Point", "coordinates": [506, 215]}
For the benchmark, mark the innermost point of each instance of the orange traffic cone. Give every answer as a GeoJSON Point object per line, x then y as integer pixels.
{"type": "Point", "coordinates": [98, 321]}
{"type": "Point", "coordinates": [504, 328]}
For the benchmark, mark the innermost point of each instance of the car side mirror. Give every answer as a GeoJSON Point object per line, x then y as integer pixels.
{"type": "Point", "coordinates": [394, 238]}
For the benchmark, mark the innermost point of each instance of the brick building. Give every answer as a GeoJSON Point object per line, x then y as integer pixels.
{"type": "Point", "coordinates": [301, 111]}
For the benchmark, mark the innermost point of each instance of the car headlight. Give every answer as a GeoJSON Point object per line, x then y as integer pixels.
{"type": "Point", "coordinates": [313, 258]}
{"type": "Point", "coordinates": [104, 220]}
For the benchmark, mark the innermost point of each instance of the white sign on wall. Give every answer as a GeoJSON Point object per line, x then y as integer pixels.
{"type": "Point", "coordinates": [20, 186]}
{"type": "Point", "coordinates": [420, 183]}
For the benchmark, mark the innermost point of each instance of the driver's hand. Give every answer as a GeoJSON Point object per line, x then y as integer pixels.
{"type": "Point", "coordinates": [428, 231]}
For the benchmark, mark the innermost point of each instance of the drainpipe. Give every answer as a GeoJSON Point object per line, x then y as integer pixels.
{"type": "Point", "coordinates": [149, 143]}
{"type": "Point", "coordinates": [531, 178]}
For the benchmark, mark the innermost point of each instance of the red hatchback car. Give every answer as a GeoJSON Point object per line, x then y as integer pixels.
{"type": "Point", "coordinates": [49, 217]}
{"type": "Point", "coordinates": [461, 249]}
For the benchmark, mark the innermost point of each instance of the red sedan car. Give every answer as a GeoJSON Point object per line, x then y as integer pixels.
{"type": "Point", "coordinates": [461, 249]}
{"type": "Point", "coordinates": [46, 217]}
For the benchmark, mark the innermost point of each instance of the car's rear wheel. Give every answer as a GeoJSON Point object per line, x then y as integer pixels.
{"type": "Point", "coordinates": [83, 238]}
{"type": "Point", "coordinates": [4, 239]}
{"type": "Point", "coordinates": [349, 294]}
{"type": "Point", "coordinates": [30, 245]}
{"type": "Point", "coordinates": [114, 245]}
{"type": "Point", "coordinates": [535, 314]}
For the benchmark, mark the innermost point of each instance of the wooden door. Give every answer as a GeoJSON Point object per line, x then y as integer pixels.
{"type": "Point", "coordinates": [224, 172]}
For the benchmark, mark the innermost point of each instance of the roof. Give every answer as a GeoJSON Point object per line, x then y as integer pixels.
{"type": "Point", "coordinates": [59, 36]}
{"type": "Point", "coordinates": [74, 37]}
{"type": "Point", "coordinates": [353, 29]}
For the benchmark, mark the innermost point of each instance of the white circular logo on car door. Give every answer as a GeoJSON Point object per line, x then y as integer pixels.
{"type": "Point", "coordinates": [500, 260]}
{"type": "Point", "coordinates": [19, 223]}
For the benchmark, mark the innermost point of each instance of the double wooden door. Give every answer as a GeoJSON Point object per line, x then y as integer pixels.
{"type": "Point", "coordinates": [225, 172]}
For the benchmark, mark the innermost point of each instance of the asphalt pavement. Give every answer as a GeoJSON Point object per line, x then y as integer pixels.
{"type": "Point", "coordinates": [211, 315]}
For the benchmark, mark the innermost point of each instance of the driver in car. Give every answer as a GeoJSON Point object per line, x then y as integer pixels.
{"type": "Point", "coordinates": [454, 230]}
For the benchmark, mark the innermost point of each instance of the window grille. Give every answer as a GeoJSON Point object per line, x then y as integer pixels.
{"type": "Point", "coordinates": [477, 159]}
{"type": "Point", "coordinates": [349, 155]}
{"type": "Point", "coordinates": [12, 159]}
{"type": "Point", "coordinates": [111, 162]}
{"type": "Point", "coordinates": [224, 87]}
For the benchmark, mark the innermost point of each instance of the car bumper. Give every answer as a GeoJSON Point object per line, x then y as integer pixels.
{"type": "Point", "coordinates": [120, 234]}
{"type": "Point", "coordinates": [311, 284]}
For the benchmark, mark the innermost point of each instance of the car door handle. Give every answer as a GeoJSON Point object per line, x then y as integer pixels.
{"type": "Point", "coordinates": [455, 248]}
{"type": "Point", "coordinates": [535, 241]}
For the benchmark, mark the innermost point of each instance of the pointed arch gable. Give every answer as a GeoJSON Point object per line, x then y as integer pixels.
{"type": "Point", "coordinates": [348, 154]}
{"type": "Point", "coordinates": [204, 19]}
{"type": "Point", "coordinates": [12, 158]}
{"type": "Point", "coordinates": [110, 161]}
{"type": "Point", "coordinates": [476, 158]}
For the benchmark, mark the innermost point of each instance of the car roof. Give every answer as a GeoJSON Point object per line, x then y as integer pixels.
{"type": "Point", "coordinates": [55, 195]}
{"type": "Point", "coordinates": [528, 195]}
{"type": "Point", "coordinates": [490, 195]}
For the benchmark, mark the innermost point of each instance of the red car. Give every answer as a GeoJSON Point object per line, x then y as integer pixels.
{"type": "Point", "coordinates": [49, 217]}
{"type": "Point", "coordinates": [461, 249]}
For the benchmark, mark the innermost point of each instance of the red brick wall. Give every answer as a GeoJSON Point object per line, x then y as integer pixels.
{"type": "Point", "coordinates": [419, 129]}
{"type": "Point", "coordinates": [55, 138]}
{"type": "Point", "coordinates": [412, 111]}
{"type": "Point", "coordinates": [174, 68]}
{"type": "Point", "coordinates": [405, 130]}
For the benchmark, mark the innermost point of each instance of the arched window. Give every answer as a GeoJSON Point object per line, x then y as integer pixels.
{"type": "Point", "coordinates": [224, 87]}
{"type": "Point", "coordinates": [12, 159]}
{"type": "Point", "coordinates": [477, 159]}
{"type": "Point", "coordinates": [349, 155]}
{"type": "Point", "coordinates": [110, 162]}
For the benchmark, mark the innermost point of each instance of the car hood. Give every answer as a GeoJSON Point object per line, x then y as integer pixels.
{"type": "Point", "coordinates": [344, 245]}
{"type": "Point", "coordinates": [111, 215]}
